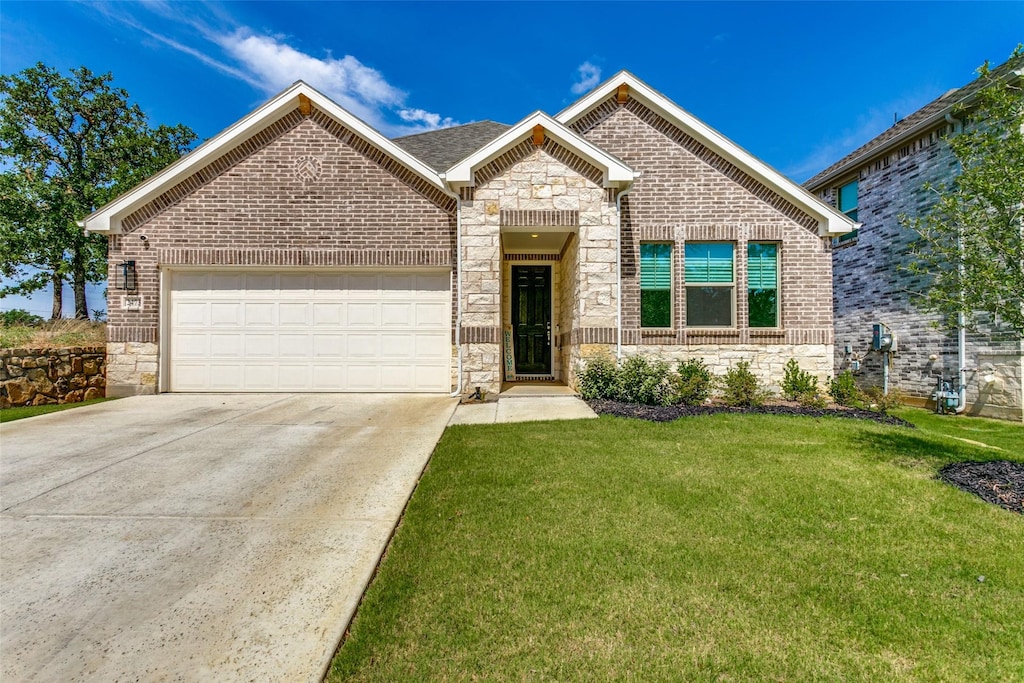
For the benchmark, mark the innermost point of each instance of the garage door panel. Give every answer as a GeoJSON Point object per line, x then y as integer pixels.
{"type": "Point", "coordinates": [293, 314]}
{"type": "Point", "coordinates": [310, 331]}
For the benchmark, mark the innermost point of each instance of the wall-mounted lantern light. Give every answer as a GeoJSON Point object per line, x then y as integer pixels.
{"type": "Point", "coordinates": [129, 278]}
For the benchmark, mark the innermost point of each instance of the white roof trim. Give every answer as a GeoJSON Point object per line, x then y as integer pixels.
{"type": "Point", "coordinates": [108, 218]}
{"type": "Point", "coordinates": [830, 222]}
{"type": "Point", "coordinates": [615, 172]}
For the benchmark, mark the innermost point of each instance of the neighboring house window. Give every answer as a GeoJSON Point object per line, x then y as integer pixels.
{"type": "Point", "coordinates": [655, 285]}
{"type": "Point", "coordinates": [847, 203]}
{"type": "Point", "coordinates": [710, 290]}
{"type": "Point", "coordinates": [763, 284]}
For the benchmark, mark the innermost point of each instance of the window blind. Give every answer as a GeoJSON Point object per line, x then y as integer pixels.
{"type": "Point", "coordinates": [762, 266]}
{"type": "Point", "coordinates": [709, 262]}
{"type": "Point", "coordinates": [656, 266]}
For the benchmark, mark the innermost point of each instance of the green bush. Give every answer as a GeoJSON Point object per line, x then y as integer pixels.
{"type": "Point", "coordinates": [882, 402]}
{"type": "Point", "coordinates": [645, 382]}
{"type": "Point", "coordinates": [600, 378]}
{"type": "Point", "coordinates": [740, 387]}
{"type": "Point", "coordinates": [19, 316]}
{"type": "Point", "coordinates": [796, 382]}
{"type": "Point", "coordinates": [844, 391]}
{"type": "Point", "coordinates": [693, 382]}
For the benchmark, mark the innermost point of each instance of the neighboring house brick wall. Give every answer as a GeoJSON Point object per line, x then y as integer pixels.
{"type": "Point", "coordinates": [872, 285]}
{"type": "Point", "coordinates": [687, 192]}
{"type": "Point", "coordinates": [258, 206]}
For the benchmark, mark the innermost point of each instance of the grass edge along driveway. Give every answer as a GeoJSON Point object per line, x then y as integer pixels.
{"type": "Point", "coordinates": [726, 547]}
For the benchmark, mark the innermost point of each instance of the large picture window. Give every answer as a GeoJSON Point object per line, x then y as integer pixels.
{"type": "Point", "coordinates": [763, 284]}
{"type": "Point", "coordinates": [710, 284]}
{"type": "Point", "coordinates": [655, 285]}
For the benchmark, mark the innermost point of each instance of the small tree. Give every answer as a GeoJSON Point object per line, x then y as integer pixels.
{"type": "Point", "coordinates": [67, 146]}
{"type": "Point", "coordinates": [971, 244]}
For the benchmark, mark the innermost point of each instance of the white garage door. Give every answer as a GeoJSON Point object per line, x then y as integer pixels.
{"type": "Point", "coordinates": [310, 331]}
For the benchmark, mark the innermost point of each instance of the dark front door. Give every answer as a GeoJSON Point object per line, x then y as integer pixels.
{"type": "Point", "coordinates": [531, 319]}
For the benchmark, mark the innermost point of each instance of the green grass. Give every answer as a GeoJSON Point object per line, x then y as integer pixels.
{"type": "Point", "coordinates": [725, 548]}
{"type": "Point", "coordinates": [20, 413]}
{"type": "Point", "coordinates": [1003, 434]}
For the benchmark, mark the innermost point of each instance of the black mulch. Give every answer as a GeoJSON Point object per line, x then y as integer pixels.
{"type": "Point", "coordinates": [669, 413]}
{"type": "Point", "coordinates": [999, 482]}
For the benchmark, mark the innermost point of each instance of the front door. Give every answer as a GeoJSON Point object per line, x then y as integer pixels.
{"type": "Point", "coordinates": [531, 319]}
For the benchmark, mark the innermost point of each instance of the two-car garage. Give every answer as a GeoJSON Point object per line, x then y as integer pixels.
{"type": "Point", "coordinates": [308, 330]}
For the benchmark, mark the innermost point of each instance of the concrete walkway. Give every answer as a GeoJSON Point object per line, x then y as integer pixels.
{"type": "Point", "coordinates": [199, 537]}
{"type": "Point", "coordinates": [525, 403]}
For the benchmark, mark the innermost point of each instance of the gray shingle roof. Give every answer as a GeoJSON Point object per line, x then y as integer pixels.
{"type": "Point", "coordinates": [440, 149]}
{"type": "Point", "coordinates": [930, 114]}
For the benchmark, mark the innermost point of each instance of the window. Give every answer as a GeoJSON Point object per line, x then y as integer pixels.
{"type": "Point", "coordinates": [847, 203]}
{"type": "Point", "coordinates": [763, 284]}
{"type": "Point", "coordinates": [710, 293]}
{"type": "Point", "coordinates": [655, 285]}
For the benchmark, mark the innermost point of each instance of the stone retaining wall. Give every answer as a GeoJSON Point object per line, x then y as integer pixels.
{"type": "Point", "coordinates": [42, 376]}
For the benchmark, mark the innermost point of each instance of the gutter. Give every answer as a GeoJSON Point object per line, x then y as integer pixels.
{"type": "Point", "coordinates": [961, 333]}
{"type": "Point", "coordinates": [618, 269]}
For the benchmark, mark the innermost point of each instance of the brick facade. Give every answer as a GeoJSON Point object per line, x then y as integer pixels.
{"type": "Point", "coordinates": [261, 204]}
{"type": "Point", "coordinates": [688, 193]}
{"type": "Point", "coordinates": [307, 192]}
{"type": "Point", "coordinates": [872, 286]}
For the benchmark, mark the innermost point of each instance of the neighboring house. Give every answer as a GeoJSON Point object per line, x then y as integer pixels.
{"type": "Point", "coordinates": [874, 185]}
{"type": "Point", "coordinates": [301, 250]}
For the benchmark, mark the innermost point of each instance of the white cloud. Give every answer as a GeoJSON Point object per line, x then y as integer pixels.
{"type": "Point", "coordinates": [270, 64]}
{"type": "Point", "coordinates": [589, 76]}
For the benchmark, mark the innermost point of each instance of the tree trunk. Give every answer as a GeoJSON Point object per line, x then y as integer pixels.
{"type": "Point", "coordinates": [81, 306]}
{"type": "Point", "coordinates": [58, 296]}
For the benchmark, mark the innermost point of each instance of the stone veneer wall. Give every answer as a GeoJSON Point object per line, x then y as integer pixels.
{"type": "Point", "coordinates": [306, 192]}
{"type": "Point", "coordinates": [535, 180]}
{"type": "Point", "coordinates": [871, 286]}
{"type": "Point", "coordinates": [47, 376]}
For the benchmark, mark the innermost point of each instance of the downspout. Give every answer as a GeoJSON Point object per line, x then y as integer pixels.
{"type": "Point", "coordinates": [961, 333]}
{"type": "Point", "coordinates": [458, 293]}
{"type": "Point", "coordinates": [618, 270]}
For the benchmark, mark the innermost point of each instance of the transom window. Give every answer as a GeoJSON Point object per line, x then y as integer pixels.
{"type": "Point", "coordinates": [655, 285]}
{"type": "Point", "coordinates": [762, 284]}
{"type": "Point", "coordinates": [710, 284]}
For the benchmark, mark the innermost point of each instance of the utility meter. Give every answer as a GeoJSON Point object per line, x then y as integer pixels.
{"type": "Point", "coordinates": [881, 337]}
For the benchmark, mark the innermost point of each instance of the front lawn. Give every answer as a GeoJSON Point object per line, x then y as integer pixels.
{"type": "Point", "coordinates": [724, 547]}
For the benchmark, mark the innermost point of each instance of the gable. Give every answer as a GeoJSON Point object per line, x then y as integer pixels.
{"type": "Point", "coordinates": [676, 166]}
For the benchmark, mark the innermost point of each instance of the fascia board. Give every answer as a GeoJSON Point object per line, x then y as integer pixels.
{"type": "Point", "coordinates": [831, 223]}
{"type": "Point", "coordinates": [108, 218]}
{"type": "Point", "coordinates": [615, 171]}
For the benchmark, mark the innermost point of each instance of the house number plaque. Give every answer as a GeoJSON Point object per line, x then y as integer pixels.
{"type": "Point", "coordinates": [131, 302]}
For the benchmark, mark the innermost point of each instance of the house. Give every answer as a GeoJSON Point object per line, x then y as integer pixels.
{"type": "Point", "coordinates": [874, 185]}
{"type": "Point", "coordinates": [301, 250]}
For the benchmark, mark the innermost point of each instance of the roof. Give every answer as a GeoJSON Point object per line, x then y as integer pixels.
{"type": "Point", "coordinates": [440, 149]}
{"type": "Point", "coordinates": [830, 221]}
{"type": "Point", "coordinates": [917, 123]}
{"type": "Point", "coordinates": [108, 218]}
{"type": "Point", "coordinates": [614, 170]}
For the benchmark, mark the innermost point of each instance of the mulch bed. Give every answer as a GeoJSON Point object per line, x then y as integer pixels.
{"type": "Point", "coordinates": [999, 482]}
{"type": "Point", "coordinates": [669, 413]}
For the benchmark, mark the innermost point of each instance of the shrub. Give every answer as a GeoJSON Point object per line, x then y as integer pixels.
{"type": "Point", "coordinates": [600, 378]}
{"type": "Point", "coordinates": [693, 382]}
{"type": "Point", "coordinates": [844, 391]}
{"type": "Point", "coordinates": [883, 403]}
{"type": "Point", "coordinates": [19, 316]}
{"type": "Point", "coordinates": [645, 382]}
{"type": "Point", "coordinates": [741, 388]}
{"type": "Point", "coordinates": [796, 382]}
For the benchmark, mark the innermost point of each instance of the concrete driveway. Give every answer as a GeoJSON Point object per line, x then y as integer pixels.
{"type": "Point", "coordinates": [199, 537]}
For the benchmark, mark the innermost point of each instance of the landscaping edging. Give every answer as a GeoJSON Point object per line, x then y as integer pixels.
{"type": "Point", "coordinates": [34, 377]}
{"type": "Point", "coordinates": [669, 413]}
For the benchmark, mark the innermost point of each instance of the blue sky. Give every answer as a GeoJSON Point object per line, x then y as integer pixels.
{"type": "Point", "coordinates": [797, 84]}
